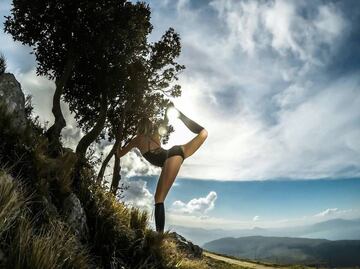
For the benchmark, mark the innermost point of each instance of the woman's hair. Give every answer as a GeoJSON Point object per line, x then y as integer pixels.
{"type": "Point", "coordinates": [145, 127]}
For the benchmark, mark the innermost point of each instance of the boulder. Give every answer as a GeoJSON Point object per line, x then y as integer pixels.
{"type": "Point", "coordinates": [75, 216]}
{"type": "Point", "coordinates": [13, 98]}
{"type": "Point", "coordinates": [191, 250]}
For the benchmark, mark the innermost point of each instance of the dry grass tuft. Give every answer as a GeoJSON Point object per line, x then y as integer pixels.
{"type": "Point", "coordinates": [52, 245]}
{"type": "Point", "coordinates": [11, 202]}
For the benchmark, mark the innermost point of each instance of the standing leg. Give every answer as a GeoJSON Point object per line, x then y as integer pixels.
{"type": "Point", "coordinates": [167, 177]}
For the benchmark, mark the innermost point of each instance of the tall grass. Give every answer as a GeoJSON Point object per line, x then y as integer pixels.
{"type": "Point", "coordinates": [125, 233]}
{"type": "Point", "coordinates": [52, 245]}
{"type": "Point", "coordinates": [11, 202]}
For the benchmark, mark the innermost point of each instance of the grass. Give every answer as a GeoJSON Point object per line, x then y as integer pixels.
{"type": "Point", "coordinates": [11, 202]}
{"type": "Point", "coordinates": [51, 245]}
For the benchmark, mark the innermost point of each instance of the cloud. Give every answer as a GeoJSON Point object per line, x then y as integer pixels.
{"type": "Point", "coordinates": [196, 206]}
{"type": "Point", "coordinates": [133, 164]}
{"type": "Point", "coordinates": [138, 195]}
{"type": "Point", "coordinates": [335, 212]}
{"type": "Point", "coordinates": [287, 27]}
{"type": "Point", "coordinates": [257, 78]}
{"type": "Point", "coordinates": [327, 212]}
{"type": "Point", "coordinates": [256, 218]}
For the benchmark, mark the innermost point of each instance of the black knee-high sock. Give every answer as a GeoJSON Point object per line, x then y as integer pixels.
{"type": "Point", "coordinates": [192, 125]}
{"type": "Point", "coordinates": [159, 217]}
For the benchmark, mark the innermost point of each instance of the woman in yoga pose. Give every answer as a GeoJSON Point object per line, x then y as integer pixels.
{"type": "Point", "coordinates": [147, 141]}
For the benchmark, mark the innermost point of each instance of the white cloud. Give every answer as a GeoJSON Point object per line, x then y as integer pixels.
{"type": "Point", "coordinates": [250, 82]}
{"type": "Point", "coordinates": [133, 164]}
{"type": "Point", "coordinates": [256, 218]}
{"type": "Point", "coordinates": [327, 212]}
{"type": "Point", "coordinates": [335, 212]}
{"type": "Point", "coordinates": [196, 206]}
{"type": "Point", "coordinates": [289, 87]}
{"type": "Point", "coordinates": [138, 195]}
{"type": "Point", "coordinates": [255, 25]}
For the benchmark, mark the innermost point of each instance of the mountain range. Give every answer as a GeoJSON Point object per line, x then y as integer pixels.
{"type": "Point", "coordinates": [286, 250]}
{"type": "Point", "coordinates": [334, 229]}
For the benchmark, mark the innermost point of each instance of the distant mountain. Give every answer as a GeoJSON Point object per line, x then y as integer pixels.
{"type": "Point", "coordinates": [286, 250]}
{"type": "Point", "coordinates": [335, 229]}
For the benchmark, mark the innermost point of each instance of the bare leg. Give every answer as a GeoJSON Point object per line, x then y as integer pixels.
{"type": "Point", "coordinates": [167, 177]}
{"type": "Point", "coordinates": [194, 144]}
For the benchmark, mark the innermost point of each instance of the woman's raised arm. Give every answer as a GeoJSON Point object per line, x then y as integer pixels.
{"type": "Point", "coordinates": [133, 143]}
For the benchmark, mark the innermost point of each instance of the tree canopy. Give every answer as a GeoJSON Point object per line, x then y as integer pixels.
{"type": "Point", "coordinates": [103, 65]}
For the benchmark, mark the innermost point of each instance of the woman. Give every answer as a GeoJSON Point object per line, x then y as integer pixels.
{"type": "Point", "coordinates": [147, 141]}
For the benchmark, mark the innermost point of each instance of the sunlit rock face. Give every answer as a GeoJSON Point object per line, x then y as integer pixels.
{"type": "Point", "coordinates": [75, 216]}
{"type": "Point", "coordinates": [13, 98]}
{"type": "Point", "coordinates": [187, 247]}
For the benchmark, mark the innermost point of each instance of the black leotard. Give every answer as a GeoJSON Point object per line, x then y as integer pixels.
{"type": "Point", "coordinates": [158, 156]}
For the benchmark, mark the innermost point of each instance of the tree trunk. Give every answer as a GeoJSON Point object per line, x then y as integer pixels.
{"type": "Point", "coordinates": [116, 175]}
{"type": "Point", "coordinates": [53, 133]}
{"type": "Point", "coordinates": [118, 138]}
{"type": "Point", "coordinates": [91, 136]}
{"type": "Point", "coordinates": [104, 165]}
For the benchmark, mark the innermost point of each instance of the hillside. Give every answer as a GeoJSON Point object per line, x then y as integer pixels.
{"type": "Point", "coordinates": [285, 250]}
{"type": "Point", "coordinates": [52, 217]}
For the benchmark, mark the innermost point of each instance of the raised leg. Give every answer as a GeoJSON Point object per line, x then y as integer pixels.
{"type": "Point", "coordinates": [195, 143]}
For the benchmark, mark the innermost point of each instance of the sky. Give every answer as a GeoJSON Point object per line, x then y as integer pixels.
{"type": "Point", "coordinates": [276, 84]}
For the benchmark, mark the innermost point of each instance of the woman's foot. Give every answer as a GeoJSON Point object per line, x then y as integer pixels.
{"type": "Point", "coordinates": [192, 125]}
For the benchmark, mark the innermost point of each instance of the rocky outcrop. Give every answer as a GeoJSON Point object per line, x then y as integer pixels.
{"type": "Point", "coordinates": [191, 250]}
{"type": "Point", "coordinates": [75, 216]}
{"type": "Point", "coordinates": [13, 98]}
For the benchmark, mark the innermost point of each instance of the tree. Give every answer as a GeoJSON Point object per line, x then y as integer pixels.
{"type": "Point", "coordinates": [55, 30]}
{"type": "Point", "coordinates": [98, 82]}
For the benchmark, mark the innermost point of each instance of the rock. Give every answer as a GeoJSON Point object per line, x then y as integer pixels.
{"type": "Point", "coordinates": [13, 98]}
{"type": "Point", "coordinates": [75, 216]}
{"type": "Point", "coordinates": [190, 249]}
{"type": "Point", "coordinates": [50, 207]}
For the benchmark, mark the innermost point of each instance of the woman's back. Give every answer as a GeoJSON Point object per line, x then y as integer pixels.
{"type": "Point", "coordinates": [149, 143]}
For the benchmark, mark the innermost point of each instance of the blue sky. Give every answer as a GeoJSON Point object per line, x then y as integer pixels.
{"type": "Point", "coordinates": [276, 84]}
{"type": "Point", "coordinates": [269, 203]}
